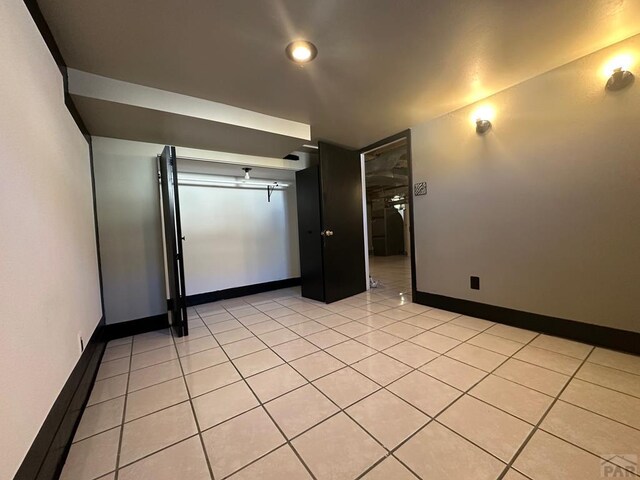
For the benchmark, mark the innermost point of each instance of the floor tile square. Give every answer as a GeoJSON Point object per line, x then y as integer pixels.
{"type": "Point", "coordinates": [185, 461]}
{"type": "Point", "coordinates": [621, 361]}
{"type": "Point", "coordinates": [355, 313]}
{"type": "Point", "coordinates": [278, 337]}
{"type": "Point", "coordinates": [397, 314]}
{"type": "Point", "coordinates": [151, 399]}
{"type": "Point", "coordinates": [225, 326]}
{"type": "Point", "coordinates": [477, 357]}
{"type": "Point", "coordinates": [211, 378]}
{"type": "Point", "coordinates": [594, 433]}
{"type": "Point", "coordinates": [532, 376]}
{"type": "Point", "coordinates": [424, 392]}
{"type": "Point", "coordinates": [378, 339]}
{"type": "Point", "coordinates": [333, 320]}
{"type": "Point", "coordinates": [403, 330]}
{"type": "Point", "coordinates": [473, 323]}
{"type": "Point", "coordinates": [381, 368]}
{"type": "Point", "coordinates": [346, 386]}
{"type": "Point", "coordinates": [234, 335]}
{"type": "Point", "coordinates": [243, 347]}
{"type": "Point", "coordinates": [389, 469]}
{"type": "Point", "coordinates": [256, 362]}
{"type": "Point", "coordinates": [375, 307]}
{"type": "Point", "coordinates": [307, 328]}
{"type": "Point", "coordinates": [338, 449]}
{"type": "Point", "coordinates": [215, 407]}
{"type": "Point", "coordinates": [386, 417]}
{"type": "Point", "coordinates": [113, 368]}
{"type": "Point", "coordinates": [316, 365]}
{"type": "Point", "coordinates": [202, 360]}
{"type": "Point", "coordinates": [376, 321]}
{"type": "Point", "coordinates": [92, 457]}
{"type": "Point", "coordinates": [196, 345]}
{"type": "Point", "coordinates": [217, 316]}
{"type": "Point", "coordinates": [500, 345]}
{"type": "Point", "coordinates": [315, 313]}
{"type": "Point", "coordinates": [145, 377]}
{"type": "Point", "coordinates": [115, 353]}
{"type": "Point", "coordinates": [278, 313]}
{"type": "Point", "coordinates": [275, 382]}
{"type": "Point", "coordinates": [611, 378]}
{"type": "Point", "coordinates": [353, 329]}
{"type": "Point", "coordinates": [435, 341]}
{"type": "Point", "coordinates": [279, 465]}
{"type": "Point", "coordinates": [548, 359]}
{"type": "Point", "coordinates": [254, 319]}
{"type": "Point", "coordinates": [152, 357]}
{"type": "Point", "coordinates": [522, 402]}
{"type": "Point", "coordinates": [107, 389]}
{"type": "Point", "coordinates": [455, 331]}
{"type": "Point", "coordinates": [512, 333]}
{"type": "Point", "coordinates": [238, 442]}
{"type": "Point", "coordinates": [547, 457]}
{"type": "Point", "coordinates": [411, 354]}
{"type": "Point", "coordinates": [560, 345]}
{"type": "Point", "coordinates": [437, 453]}
{"type": "Point", "coordinates": [99, 418]}
{"type": "Point", "coordinates": [443, 315]}
{"type": "Point", "coordinates": [617, 406]}
{"type": "Point", "coordinates": [300, 410]}
{"type": "Point", "coordinates": [455, 373]}
{"type": "Point", "coordinates": [486, 426]}
{"type": "Point", "coordinates": [264, 327]}
{"type": "Point", "coordinates": [156, 431]}
{"type": "Point", "coordinates": [295, 349]}
{"type": "Point", "coordinates": [327, 338]}
{"type": "Point", "coordinates": [424, 322]}
{"type": "Point", "coordinates": [350, 351]}
{"type": "Point", "coordinates": [292, 319]}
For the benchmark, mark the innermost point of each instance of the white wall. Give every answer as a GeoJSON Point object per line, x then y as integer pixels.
{"type": "Point", "coordinates": [49, 287]}
{"type": "Point", "coordinates": [546, 207]}
{"type": "Point", "coordinates": [234, 237]}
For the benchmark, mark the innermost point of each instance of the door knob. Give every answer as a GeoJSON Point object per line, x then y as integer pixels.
{"type": "Point", "coordinates": [326, 233]}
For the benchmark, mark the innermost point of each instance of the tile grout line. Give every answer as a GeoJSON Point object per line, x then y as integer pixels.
{"type": "Point", "coordinates": [261, 405]}
{"type": "Point", "coordinates": [124, 412]}
{"type": "Point", "coordinates": [544, 415]}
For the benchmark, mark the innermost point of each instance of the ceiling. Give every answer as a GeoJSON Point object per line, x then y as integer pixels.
{"type": "Point", "coordinates": [383, 65]}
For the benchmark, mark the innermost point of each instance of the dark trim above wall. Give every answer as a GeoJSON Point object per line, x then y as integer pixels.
{"type": "Point", "coordinates": [607, 337]}
{"type": "Point", "coordinates": [236, 292]}
{"type": "Point", "coordinates": [45, 458]}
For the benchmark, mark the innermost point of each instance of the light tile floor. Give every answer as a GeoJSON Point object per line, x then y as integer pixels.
{"type": "Point", "coordinates": [274, 386]}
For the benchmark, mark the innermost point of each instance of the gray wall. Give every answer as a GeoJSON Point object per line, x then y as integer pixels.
{"type": "Point", "coordinates": [131, 246]}
{"type": "Point", "coordinates": [546, 207]}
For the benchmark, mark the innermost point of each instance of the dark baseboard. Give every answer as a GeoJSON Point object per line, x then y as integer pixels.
{"type": "Point", "coordinates": [607, 337]}
{"type": "Point", "coordinates": [45, 458]}
{"type": "Point", "coordinates": [236, 292]}
{"type": "Point", "coordinates": [135, 327]}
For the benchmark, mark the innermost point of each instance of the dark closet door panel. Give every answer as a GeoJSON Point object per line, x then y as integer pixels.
{"type": "Point", "coordinates": [309, 229]}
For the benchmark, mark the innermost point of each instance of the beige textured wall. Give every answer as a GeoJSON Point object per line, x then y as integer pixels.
{"type": "Point", "coordinates": [545, 208]}
{"type": "Point", "coordinates": [49, 289]}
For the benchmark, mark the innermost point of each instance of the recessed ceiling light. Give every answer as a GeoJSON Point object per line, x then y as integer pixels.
{"type": "Point", "coordinates": [301, 51]}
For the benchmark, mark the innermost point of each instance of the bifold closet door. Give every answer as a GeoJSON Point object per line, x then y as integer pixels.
{"type": "Point", "coordinates": [177, 308]}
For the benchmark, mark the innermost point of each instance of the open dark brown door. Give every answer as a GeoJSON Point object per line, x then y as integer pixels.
{"type": "Point", "coordinates": [342, 220]}
{"type": "Point", "coordinates": [173, 241]}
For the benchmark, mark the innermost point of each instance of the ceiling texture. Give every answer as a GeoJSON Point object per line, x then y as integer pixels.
{"type": "Point", "coordinates": [382, 66]}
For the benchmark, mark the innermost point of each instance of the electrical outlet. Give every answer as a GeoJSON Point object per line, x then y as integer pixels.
{"type": "Point", "coordinates": [475, 283]}
{"type": "Point", "coordinates": [81, 342]}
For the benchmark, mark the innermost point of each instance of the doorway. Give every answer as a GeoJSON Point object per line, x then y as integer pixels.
{"type": "Point", "coordinates": [386, 167]}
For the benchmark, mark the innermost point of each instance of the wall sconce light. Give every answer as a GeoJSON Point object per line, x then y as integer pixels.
{"type": "Point", "coordinates": [482, 126]}
{"type": "Point", "coordinates": [246, 173]}
{"type": "Point", "coordinates": [619, 79]}
{"type": "Point", "coordinates": [481, 117]}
